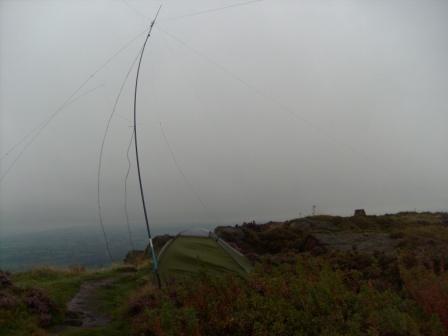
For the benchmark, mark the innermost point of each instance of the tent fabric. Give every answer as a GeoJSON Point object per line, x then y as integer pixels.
{"type": "Point", "coordinates": [236, 255]}
{"type": "Point", "coordinates": [190, 254]}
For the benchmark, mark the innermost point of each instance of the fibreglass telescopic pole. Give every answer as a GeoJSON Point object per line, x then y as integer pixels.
{"type": "Point", "coordinates": [151, 246]}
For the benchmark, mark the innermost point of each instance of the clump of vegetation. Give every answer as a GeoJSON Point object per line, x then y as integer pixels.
{"type": "Point", "coordinates": [305, 285]}
{"type": "Point", "coordinates": [24, 310]}
{"type": "Point", "coordinates": [321, 275]}
{"type": "Point", "coordinates": [305, 297]}
{"type": "Point", "coordinates": [387, 233]}
{"type": "Point", "coordinates": [60, 284]}
{"type": "Point", "coordinates": [425, 277]}
{"type": "Point", "coordinates": [33, 302]}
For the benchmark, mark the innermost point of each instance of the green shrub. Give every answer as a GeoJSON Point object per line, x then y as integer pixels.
{"type": "Point", "coordinates": [304, 298]}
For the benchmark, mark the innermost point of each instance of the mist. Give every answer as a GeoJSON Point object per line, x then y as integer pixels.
{"type": "Point", "coordinates": [251, 112]}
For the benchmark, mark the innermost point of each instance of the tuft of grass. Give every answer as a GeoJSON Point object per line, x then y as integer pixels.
{"type": "Point", "coordinates": [60, 285]}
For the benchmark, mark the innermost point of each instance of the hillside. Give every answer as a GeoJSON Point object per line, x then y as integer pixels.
{"type": "Point", "coordinates": [320, 275]}
{"type": "Point", "coordinates": [388, 234]}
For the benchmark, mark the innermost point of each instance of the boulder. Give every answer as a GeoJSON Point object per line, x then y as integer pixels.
{"type": "Point", "coordinates": [360, 212]}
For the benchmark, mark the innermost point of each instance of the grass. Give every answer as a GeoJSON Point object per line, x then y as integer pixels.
{"type": "Point", "coordinates": [112, 300]}
{"type": "Point", "coordinates": [18, 323]}
{"type": "Point", "coordinates": [60, 285]}
{"type": "Point", "coordinates": [294, 289]}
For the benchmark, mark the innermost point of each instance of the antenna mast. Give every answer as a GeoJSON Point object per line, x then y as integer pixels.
{"type": "Point", "coordinates": [153, 254]}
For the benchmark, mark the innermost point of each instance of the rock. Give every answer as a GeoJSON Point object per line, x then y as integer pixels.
{"type": "Point", "coordinates": [366, 242]}
{"type": "Point", "coordinates": [360, 212]}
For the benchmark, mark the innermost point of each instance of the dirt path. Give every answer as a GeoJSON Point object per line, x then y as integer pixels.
{"type": "Point", "coordinates": [81, 311]}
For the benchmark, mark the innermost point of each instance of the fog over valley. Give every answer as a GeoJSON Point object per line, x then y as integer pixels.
{"type": "Point", "coordinates": [250, 112]}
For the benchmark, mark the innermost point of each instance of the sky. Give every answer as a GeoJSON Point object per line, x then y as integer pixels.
{"type": "Point", "coordinates": [246, 110]}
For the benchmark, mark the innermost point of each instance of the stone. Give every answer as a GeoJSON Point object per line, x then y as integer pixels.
{"type": "Point", "coordinates": [360, 212]}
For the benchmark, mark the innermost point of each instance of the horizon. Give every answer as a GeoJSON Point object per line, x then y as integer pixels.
{"type": "Point", "coordinates": [170, 228]}
{"type": "Point", "coordinates": [347, 110]}
{"type": "Point", "coordinates": [84, 245]}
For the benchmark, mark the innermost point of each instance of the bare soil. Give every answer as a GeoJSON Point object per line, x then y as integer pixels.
{"type": "Point", "coordinates": [82, 311]}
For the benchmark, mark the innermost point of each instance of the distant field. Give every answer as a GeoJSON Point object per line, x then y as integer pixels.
{"type": "Point", "coordinates": [73, 246]}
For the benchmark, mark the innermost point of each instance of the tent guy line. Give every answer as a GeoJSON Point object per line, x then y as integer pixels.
{"type": "Point", "coordinates": [126, 212]}
{"type": "Point", "coordinates": [336, 143]}
{"type": "Point", "coordinates": [38, 130]}
{"type": "Point", "coordinates": [187, 182]}
{"type": "Point", "coordinates": [210, 10]}
{"type": "Point", "coordinates": [70, 100]}
{"type": "Point", "coordinates": [268, 97]}
{"type": "Point", "coordinates": [191, 14]}
{"type": "Point", "coordinates": [100, 158]}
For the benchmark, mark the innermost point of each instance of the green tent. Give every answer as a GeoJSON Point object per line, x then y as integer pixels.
{"type": "Point", "coordinates": [193, 252]}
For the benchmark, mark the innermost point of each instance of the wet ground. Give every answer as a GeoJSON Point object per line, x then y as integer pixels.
{"type": "Point", "coordinates": [82, 310]}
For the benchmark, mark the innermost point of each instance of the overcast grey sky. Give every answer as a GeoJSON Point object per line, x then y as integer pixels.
{"type": "Point", "coordinates": [269, 108]}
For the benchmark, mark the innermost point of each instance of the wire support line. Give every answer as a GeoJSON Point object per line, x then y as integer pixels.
{"type": "Point", "coordinates": [142, 194]}
{"type": "Point", "coordinates": [210, 10]}
{"type": "Point", "coordinates": [126, 212]}
{"type": "Point", "coordinates": [192, 14]}
{"type": "Point", "coordinates": [40, 129]}
{"type": "Point", "coordinates": [101, 153]}
{"type": "Point", "coordinates": [73, 94]}
{"type": "Point", "coordinates": [187, 181]}
{"type": "Point", "coordinates": [128, 5]}
{"type": "Point", "coordinates": [266, 96]}
{"type": "Point", "coordinates": [178, 166]}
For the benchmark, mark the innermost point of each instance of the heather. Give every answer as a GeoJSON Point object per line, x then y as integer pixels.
{"type": "Point", "coordinates": [320, 275]}
{"type": "Point", "coordinates": [297, 296]}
